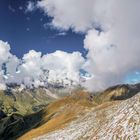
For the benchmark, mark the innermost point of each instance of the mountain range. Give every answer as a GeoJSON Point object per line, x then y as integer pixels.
{"type": "Point", "coordinates": [42, 114]}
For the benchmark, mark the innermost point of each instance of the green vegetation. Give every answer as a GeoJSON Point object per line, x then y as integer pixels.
{"type": "Point", "coordinates": [27, 118]}
{"type": "Point", "coordinates": [17, 110]}
{"type": "Point", "coordinates": [24, 102]}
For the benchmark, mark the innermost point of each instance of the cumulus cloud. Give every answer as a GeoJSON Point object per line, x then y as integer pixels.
{"type": "Point", "coordinates": [115, 53]}
{"type": "Point", "coordinates": [112, 53]}
{"type": "Point", "coordinates": [63, 65]}
{"type": "Point", "coordinates": [4, 52]}
{"type": "Point", "coordinates": [80, 15]}
{"type": "Point", "coordinates": [11, 70]}
{"type": "Point", "coordinates": [4, 55]}
{"type": "Point", "coordinates": [35, 69]}
{"type": "Point", "coordinates": [111, 37]}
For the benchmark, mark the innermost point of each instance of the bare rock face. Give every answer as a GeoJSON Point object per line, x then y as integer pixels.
{"type": "Point", "coordinates": [111, 120]}
{"type": "Point", "coordinates": [123, 123]}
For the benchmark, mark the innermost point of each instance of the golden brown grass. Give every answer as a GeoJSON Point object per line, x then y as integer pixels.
{"type": "Point", "coordinates": [59, 113]}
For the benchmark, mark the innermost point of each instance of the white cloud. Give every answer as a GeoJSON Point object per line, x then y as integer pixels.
{"type": "Point", "coordinates": [61, 34]}
{"type": "Point", "coordinates": [4, 52]}
{"type": "Point", "coordinates": [32, 69]}
{"type": "Point", "coordinates": [5, 57]}
{"type": "Point", "coordinates": [30, 6]}
{"type": "Point", "coordinates": [111, 54]}
{"type": "Point", "coordinates": [29, 69]}
{"type": "Point", "coordinates": [11, 69]}
{"type": "Point", "coordinates": [62, 64]}
{"type": "Point", "coordinates": [80, 15]}
{"type": "Point", "coordinates": [2, 82]}
{"type": "Point", "coordinates": [115, 53]}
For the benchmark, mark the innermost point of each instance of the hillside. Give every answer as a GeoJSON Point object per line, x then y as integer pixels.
{"type": "Point", "coordinates": [56, 115]}
{"type": "Point", "coordinates": [111, 114]}
{"type": "Point", "coordinates": [26, 101]}
{"type": "Point", "coordinates": [119, 120]}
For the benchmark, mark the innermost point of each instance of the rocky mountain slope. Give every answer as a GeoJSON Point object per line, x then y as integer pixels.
{"type": "Point", "coordinates": [26, 101]}
{"type": "Point", "coordinates": [110, 114]}
{"type": "Point", "coordinates": [21, 106]}
{"type": "Point", "coordinates": [55, 115]}
{"type": "Point", "coordinates": [111, 121]}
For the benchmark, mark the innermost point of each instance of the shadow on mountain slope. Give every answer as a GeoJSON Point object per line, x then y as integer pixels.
{"type": "Point", "coordinates": [61, 112]}
{"type": "Point", "coordinates": [119, 92]}
{"type": "Point", "coordinates": [15, 125]}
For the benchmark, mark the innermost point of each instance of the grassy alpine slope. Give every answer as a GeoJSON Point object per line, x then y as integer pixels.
{"type": "Point", "coordinates": [23, 102]}
{"type": "Point", "coordinates": [81, 116]}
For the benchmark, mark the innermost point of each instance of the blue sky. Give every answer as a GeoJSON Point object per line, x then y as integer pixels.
{"type": "Point", "coordinates": [132, 78]}
{"type": "Point", "coordinates": [30, 30]}
{"type": "Point", "coordinates": [91, 29]}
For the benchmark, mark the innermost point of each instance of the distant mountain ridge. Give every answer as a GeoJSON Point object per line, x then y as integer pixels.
{"type": "Point", "coordinates": [25, 100]}
{"type": "Point", "coordinates": [115, 116]}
